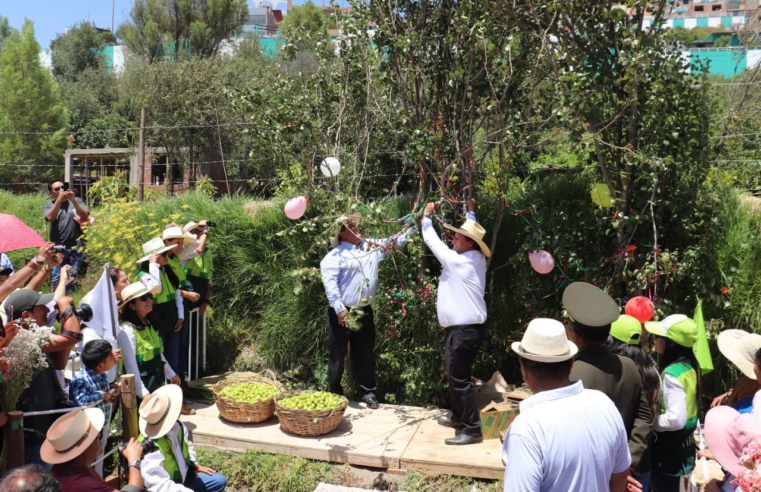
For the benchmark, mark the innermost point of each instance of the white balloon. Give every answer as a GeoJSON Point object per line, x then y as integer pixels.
{"type": "Point", "coordinates": [330, 167]}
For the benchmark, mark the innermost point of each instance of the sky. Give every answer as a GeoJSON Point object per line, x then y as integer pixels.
{"type": "Point", "coordinates": [52, 17]}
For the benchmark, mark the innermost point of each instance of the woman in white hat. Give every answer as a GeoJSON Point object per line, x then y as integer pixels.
{"type": "Point", "coordinates": [136, 316]}
{"type": "Point", "coordinates": [172, 465]}
{"type": "Point", "coordinates": [739, 347]}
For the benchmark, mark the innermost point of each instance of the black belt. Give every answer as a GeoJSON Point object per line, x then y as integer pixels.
{"type": "Point", "coordinates": [465, 327]}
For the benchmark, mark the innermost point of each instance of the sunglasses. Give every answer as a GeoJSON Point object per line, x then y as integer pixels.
{"type": "Point", "coordinates": [164, 254]}
{"type": "Point", "coordinates": [58, 188]}
{"type": "Point", "coordinates": [145, 297]}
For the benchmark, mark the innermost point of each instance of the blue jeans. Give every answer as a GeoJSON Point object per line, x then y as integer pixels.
{"type": "Point", "coordinates": [205, 483]}
{"type": "Point", "coordinates": [664, 483]}
{"type": "Point", "coordinates": [172, 349]}
{"type": "Point", "coordinates": [182, 352]}
{"type": "Point", "coordinates": [644, 479]}
{"type": "Point", "coordinates": [73, 258]}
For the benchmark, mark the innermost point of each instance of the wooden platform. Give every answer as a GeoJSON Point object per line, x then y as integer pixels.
{"type": "Point", "coordinates": [391, 437]}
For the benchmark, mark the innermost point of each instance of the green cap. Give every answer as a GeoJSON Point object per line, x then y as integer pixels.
{"type": "Point", "coordinates": [626, 329]}
{"type": "Point", "coordinates": [676, 327]}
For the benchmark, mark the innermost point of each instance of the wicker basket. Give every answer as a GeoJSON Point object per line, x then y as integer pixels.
{"type": "Point", "coordinates": [245, 413]}
{"type": "Point", "coordinates": [308, 422]}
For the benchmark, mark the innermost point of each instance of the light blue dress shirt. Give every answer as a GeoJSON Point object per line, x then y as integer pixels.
{"type": "Point", "coordinates": [5, 262]}
{"type": "Point", "coordinates": [350, 273]}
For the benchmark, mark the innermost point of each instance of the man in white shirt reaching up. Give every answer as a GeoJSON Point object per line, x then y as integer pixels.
{"type": "Point", "coordinates": [350, 276]}
{"type": "Point", "coordinates": [565, 437]}
{"type": "Point", "coordinates": [462, 311]}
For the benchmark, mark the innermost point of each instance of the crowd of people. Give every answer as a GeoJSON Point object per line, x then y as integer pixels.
{"type": "Point", "coordinates": [603, 415]}
{"type": "Point", "coordinates": [150, 341]}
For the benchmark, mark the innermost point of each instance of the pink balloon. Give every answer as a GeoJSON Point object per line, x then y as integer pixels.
{"type": "Point", "coordinates": [541, 261]}
{"type": "Point", "coordinates": [296, 207]}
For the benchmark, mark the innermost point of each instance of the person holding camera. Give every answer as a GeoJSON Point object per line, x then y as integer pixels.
{"type": "Point", "coordinates": [90, 385]}
{"type": "Point", "coordinates": [199, 267]}
{"type": "Point", "coordinates": [44, 392]}
{"type": "Point", "coordinates": [66, 213]}
{"type": "Point", "coordinates": [72, 445]}
{"type": "Point", "coordinates": [46, 254]}
{"type": "Point", "coordinates": [171, 465]}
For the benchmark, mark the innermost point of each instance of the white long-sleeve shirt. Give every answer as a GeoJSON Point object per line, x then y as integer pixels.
{"type": "Point", "coordinates": [155, 477]}
{"type": "Point", "coordinates": [462, 284]}
{"type": "Point", "coordinates": [675, 403]}
{"type": "Point", "coordinates": [127, 340]}
{"type": "Point", "coordinates": [153, 279]}
{"type": "Point", "coordinates": [350, 273]}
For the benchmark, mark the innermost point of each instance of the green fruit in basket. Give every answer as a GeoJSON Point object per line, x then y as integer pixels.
{"type": "Point", "coordinates": [249, 392]}
{"type": "Point", "coordinates": [319, 400]}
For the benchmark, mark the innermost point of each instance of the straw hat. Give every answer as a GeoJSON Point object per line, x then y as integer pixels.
{"type": "Point", "coordinates": [192, 225]}
{"type": "Point", "coordinates": [474, 231]}
{"type": "Point", "coordinates": [590, 305]}
{"type": "Point", "coordinates": [160, 410]}
{"type": "Point", "coordinates": [71, 434]}
{"type": "Point", "coordinates": [155, 246]}
{"type": "Point", "coordinates": [354, 219]}
{"type": "Point", "coordinates": [676, 327]}
{"type": "Point", "coordinates": [740, 348]}
{"type": "Point", "coordinates": [133, 291]}
{"type": "Point", "coordinates": [545, 340]}
{"type": "Point", "coordinates": [176, 233]}
{"type": "Point", "coordinates": [728, 433]}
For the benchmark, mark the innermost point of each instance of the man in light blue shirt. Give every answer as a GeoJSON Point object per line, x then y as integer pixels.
{"type": "Point", "coordinates": [5, 264]}
{"type": "Point", "coordinates": [565, 437]}
{"type": "Point", "coordinates": [350, 276]}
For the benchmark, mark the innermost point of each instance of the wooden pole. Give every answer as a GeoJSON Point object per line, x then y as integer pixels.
{"type": "Point", "coordinates": [141, 158]}
{"type": "Point", "coordinates": [129, 407]}
{"type": "Point", "coordinates": [15, 439]}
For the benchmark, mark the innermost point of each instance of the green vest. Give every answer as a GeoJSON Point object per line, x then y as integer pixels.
{"type": "Point", "coordinates": [674, 451]}
{"type": "Point", "coordinates": [148, 349]}
{"type": "Point", "coordinates": [168, 293]}
{"type": "Point", "coordinates": [170, 461]}
{"type": "Point", "coordinates": [164, 307]}
{"type": "Point", "coordinates": [179, 271]}
{"type": "Point", "coordinates": [201, 266]}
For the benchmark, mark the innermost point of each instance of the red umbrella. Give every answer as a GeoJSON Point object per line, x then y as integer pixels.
{"type": "Point", "coordinates": [14, 234]}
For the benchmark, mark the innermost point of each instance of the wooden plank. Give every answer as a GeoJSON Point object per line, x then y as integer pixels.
{"type": "Point", "coordinates": [427, 452]}
{"type": "Point", "coordinates": [375, 438]}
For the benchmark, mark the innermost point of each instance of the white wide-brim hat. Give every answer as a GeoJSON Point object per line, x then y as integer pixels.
{"type": "Point", "coordinates": [71, 435]}
{"type": "Point", "coordinates": [160, 410]}
{"type": "Point", "coordinates": [73, 365]}
{"type": "Point", "coordinates": [155, 246]}
{"type": "Point", "coordinates": [740, 348]}
{"type": "Point", "coordinates": [176, 233]}
{"type": "Point", "coordinates": [135, 290]}
{"type": "Point", "coordinates": [344, 219]}
{"type": "Point", "coordinates": [545, 340]}
{"type": "Point", "coordinates": [474, 231]}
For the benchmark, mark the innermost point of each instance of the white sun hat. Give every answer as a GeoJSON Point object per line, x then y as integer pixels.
{"type": "Point", "coordinates": [740, 348]}
{"type": "Point", "coordinates": [545, 340]}
{"type": "Point", "coordinates": [153, 247]}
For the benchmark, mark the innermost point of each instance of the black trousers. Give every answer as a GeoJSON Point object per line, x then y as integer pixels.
{"type": "Point", "coordinates": [362, 352]}
{"type": "Point", "coordinates": [463, 343]}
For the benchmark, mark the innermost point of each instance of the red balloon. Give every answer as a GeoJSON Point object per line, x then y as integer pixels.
{"type": "Point", "coordinates": [640, 307]}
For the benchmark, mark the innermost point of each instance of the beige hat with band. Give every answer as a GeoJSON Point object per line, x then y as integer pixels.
{"type": "Point", "coordinates": [740, 348]}
{"type": "Point", "coordinates": [71, 435]}
{"type": "Point", "coordinates": [545, 340]}
{"type": "Point", "coordinates": [176, 233]}
{"type": "Point", "coordinates": [474, 231]}
{"type": "Point", "coordinates": [135, 290]}
{"type": "Point", "coordinates": [155, 246]}
{"type": "Point", "coordinates": [160, 410]}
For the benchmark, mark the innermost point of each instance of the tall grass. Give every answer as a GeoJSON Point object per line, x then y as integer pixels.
{"type": "Point", "coordinates": [29, 208]}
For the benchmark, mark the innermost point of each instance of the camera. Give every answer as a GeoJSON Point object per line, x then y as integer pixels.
{"type": "Point", "coordinates": [60, 248]}
{"type": "Point", "coordinates": [83, 313]}
{"type": "Point", "coordinates": [147, 446]}
{"type": "Point", "coordinates": [66, 187]}
{"type": "Point", "coordinates": [211, 224]}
